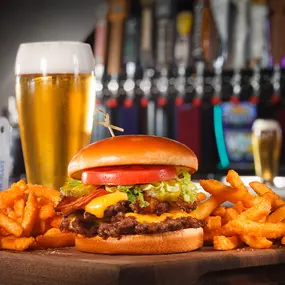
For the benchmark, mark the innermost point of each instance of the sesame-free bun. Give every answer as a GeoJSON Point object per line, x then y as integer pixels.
{"type": "Point", "coordinates": [170, 242]}
{"type": "Point", "coordinates": [133, 150]}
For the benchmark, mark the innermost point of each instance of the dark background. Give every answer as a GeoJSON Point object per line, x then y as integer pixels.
{"type": "Point", "coordinates": [30, 21]}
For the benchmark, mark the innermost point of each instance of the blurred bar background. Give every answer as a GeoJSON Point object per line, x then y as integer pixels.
{"type": "Point", "coordinates": [196, 71]}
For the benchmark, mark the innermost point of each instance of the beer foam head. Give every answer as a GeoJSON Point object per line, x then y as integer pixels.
{"type": "Point", "coordinates": [54, 57]}
{"type": "Point", "coordinates": [265, 125]}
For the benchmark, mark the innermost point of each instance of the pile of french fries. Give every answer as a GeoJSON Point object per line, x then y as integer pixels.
{"type": "Point", "coordinates": [255, 220]}
{"type": "Point", "coordinates": [28, 219]}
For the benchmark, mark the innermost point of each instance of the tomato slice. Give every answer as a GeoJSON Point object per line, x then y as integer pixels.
{"type": "Point", "coordinates": [128, 175]}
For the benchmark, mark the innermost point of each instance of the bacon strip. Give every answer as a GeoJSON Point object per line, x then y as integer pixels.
{"type": "Point", "coordinates": [71, 204]}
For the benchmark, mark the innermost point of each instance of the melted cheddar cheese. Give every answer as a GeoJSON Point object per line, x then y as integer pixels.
{"type": "Point", "coordinates": [151, 218]}
{"type": "Point", "coordinates": [98, 205]}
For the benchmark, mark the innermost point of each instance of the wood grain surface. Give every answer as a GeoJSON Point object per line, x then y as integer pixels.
{"type": "Point", "coordinates": [205, 266]}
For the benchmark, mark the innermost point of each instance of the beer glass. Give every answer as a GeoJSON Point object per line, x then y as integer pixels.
{"type": "Point", "coordinates": [55, 94]}
{"type": "Point", "coordinates": [266, 145]}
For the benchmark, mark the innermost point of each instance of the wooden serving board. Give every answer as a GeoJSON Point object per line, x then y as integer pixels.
{"type": "Point", "coordinates": [205, 266]}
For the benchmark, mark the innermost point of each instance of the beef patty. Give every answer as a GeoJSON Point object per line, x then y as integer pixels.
{"type": "Point", "coordinates": [121, 225]}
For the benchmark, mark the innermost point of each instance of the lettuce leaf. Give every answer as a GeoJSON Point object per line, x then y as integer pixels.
{"type": "Point", "coordinates": [134, 193]}
{"type": "Point", "coordinates": [163, 191]}
{"type": "Point", "coordinates": [188, 188]}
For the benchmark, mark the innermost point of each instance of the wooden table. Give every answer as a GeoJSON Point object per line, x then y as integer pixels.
{"type": "Point", "coordinates": [205, 266]}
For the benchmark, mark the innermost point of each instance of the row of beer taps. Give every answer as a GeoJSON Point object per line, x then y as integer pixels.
{"type": "Point", "coordinates": [199, 40]}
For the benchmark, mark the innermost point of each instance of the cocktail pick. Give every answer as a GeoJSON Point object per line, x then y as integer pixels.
{"type": "Point", "coordinates": [107, 123]}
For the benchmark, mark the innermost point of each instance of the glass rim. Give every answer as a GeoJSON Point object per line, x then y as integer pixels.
{"type": "Point", "coordinates": [54, 43]}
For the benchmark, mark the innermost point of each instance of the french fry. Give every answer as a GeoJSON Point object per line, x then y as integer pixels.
{"type": "Point", "coordinates": [228, 193]}
{"type": "Point", "coordinates": [14, 243]}
{"type": "Point", "coordinates": [264, 191]}
{"type": "Point", "coordinates": [21, 184]}
{"type": "Point", "coordinates": [213, 223]}
{"type": "Point", "coordinates": [19, 207]}
{"type": "Point", "coordinates": [226, 243]}
{"type": "Point", "coordinates": [230, 214]}
{"type": "Point", "coordinates": [257, 212]}
{"type": "Point", "coordinates": [42, 201]}
{"type": "Point", "coordinates": [256, 242]}
{"type": "Point", "coordinates": [239, 207]}
{"type": "Point", "coordinates": [8, 197]}
{"type": "Point", "coordinates": [41, 191]}
{"type": "Point", "coordinates": [30, 215]}
{"type": "Point", "coordinates": [3, 233]}
{"type": "Point", "coordinates": [55, 221]}
{"type": "Point", "coordinates": [235, 181]}
{"type": "Point", "coordinates": [54, 240]}
{"type": "Point", "coordinates": [220, 211]}
{"type": "Point", "coordinates": [268, 230]}
{"type": "Point", "coordinates": [11, 213]}
{"type": "Point", "coordinates": [201, 196]}
{"type": "Point", "coordinates": [52, 232]}
{"type": "Point", "coordinates": [46, 211]}
{"type": "Point", "coordinates": [10, 225]}
{"type": "Point", "coordinates": [205, 209]}
{"type": "Point", "coordinates": [40, 227]}
{"type": "Point", "coordinates": [277, 216]}
{"type": "Point", "coordinates": [208, 236]}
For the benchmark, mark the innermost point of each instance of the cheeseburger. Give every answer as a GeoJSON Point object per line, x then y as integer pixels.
{"type": "Point", "coordinates": [132, 195]}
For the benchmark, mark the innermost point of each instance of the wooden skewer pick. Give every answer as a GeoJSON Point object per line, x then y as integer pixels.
{"type": "Point", "coordinates": [107, 123]}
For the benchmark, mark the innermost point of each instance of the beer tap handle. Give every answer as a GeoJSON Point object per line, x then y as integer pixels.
{"type": "Point", "coordinates": [146, 55]}
{"type": "Point", "coordinates": [258, 15]}
{"type": "Point", "coordinates": [146, 49]}
{"type": "Point", "coordinates": [181, 52]}
{"type": "Point", "coordinates": [206, 32]}
{"type": "Point", "coordinates": [197, 51]}
{"type": "Point", "coordinates": [220, 11]}
{"type": "Point", "coordinates": [116, 15]}
{"type": "Point", "coordinates": [130, 58]}
{"type": "Point", "coordinates": [240, 33]}
{"type": "Point", "coordinates": [100, 46]}
{"type": "Point", "coordinates": [277, 20]}
{"type": "Point", "coordinates": [100, 39]}
{"type": "Point", "coordinates": [162, 13]}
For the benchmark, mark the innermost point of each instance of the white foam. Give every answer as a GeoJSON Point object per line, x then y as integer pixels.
{"type": "Point", "coordinates": [54, 57]}
{"type": "Point", "coordinates": [265, 125]}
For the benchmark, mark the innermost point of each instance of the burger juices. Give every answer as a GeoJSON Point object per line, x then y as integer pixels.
{"type": "Point", "coordinates": [132, 195]}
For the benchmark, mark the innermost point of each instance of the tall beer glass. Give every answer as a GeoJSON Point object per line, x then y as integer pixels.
{"type": "Point", "coordinates": [266, 145]}
{"type": "Point", "coordinates": [55, 96]}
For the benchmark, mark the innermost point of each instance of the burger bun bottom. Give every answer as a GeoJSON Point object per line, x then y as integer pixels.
{"type": "Point", "coordinates": [170, 242]}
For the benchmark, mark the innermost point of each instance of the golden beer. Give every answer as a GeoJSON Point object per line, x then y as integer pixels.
{"type": "Point", "coordinates": [55, 118]}
{"type": "Point", "coordinates": [266, 144]}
